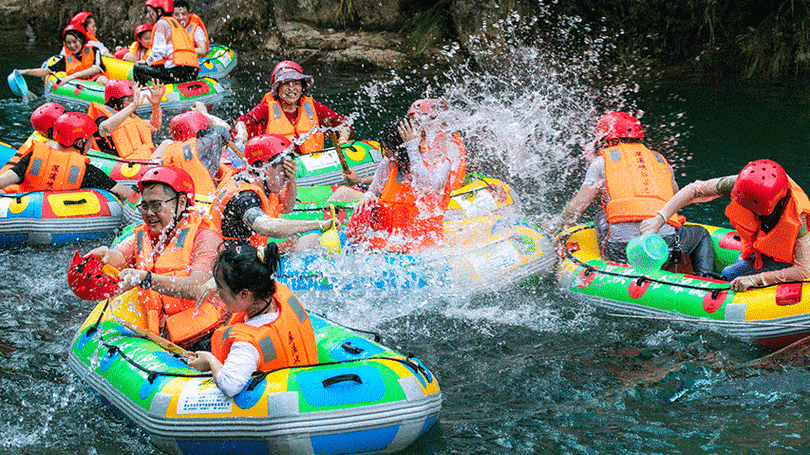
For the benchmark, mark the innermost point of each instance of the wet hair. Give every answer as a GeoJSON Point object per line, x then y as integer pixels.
{"type": "Point", "coordinates": [239, 267]}
{"type": "Point", "coordinates": [390, 139]}
{"type": "Point", "coordinates": [182, 4]}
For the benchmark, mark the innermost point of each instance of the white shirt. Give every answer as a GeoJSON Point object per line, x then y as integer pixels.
{"type": "Point", "coordinates": [242, 360]}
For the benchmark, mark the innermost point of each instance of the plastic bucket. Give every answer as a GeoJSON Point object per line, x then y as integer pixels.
{"type": "Point", "coordinates": [17, 83]}
{"type": "Point", "coordinates": [647, 253]}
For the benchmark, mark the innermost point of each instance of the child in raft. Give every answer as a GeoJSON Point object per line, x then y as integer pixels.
{"type": "Point", "coordinates": [79, 60]}
{"type": "Point", "coordinates": [263, 310]}
{"type": "Point", "coordinates": [139, 49]}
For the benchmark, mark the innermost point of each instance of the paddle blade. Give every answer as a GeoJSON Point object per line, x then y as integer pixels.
{"type": "Point", "coordinates": [90, 279]}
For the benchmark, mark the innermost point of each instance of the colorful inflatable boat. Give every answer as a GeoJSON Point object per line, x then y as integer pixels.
{"type": "Point", "coordinates": [218, 62]}
{"type": "Point", "coordinates": [56, 217]}
{"type": "Point", "coordinates": [178, 97]}
{"type": "Point", "coordinates": [323, 168]}
{"type": "Point", "coordinates": [774, 316]}
{"type": "Point", "coordinates": [480, 254]}
{"type": "Point", "coordinates": [361, 398]}
{"type": "Point", "coordinates": [480, 196]}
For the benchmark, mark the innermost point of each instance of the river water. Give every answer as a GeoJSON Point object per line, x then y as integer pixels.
{"type": "Point", "coordinates": [523, 370]}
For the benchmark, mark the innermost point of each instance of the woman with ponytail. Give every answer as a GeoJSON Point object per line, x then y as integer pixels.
{"type": "Point", "coordinates": [269, 329]}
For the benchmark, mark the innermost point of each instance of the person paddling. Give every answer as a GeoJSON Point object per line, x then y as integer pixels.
{"type": "Point", "coordinates": [269, 329]}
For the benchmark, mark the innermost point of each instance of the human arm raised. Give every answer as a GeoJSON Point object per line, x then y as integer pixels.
{"type": "Point", "coordinates": [107, 126]}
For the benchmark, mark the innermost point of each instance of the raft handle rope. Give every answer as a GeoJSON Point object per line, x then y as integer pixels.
{"type": "Point", "coordinates": [591, 269]}
{"type": "Point", "coordinates": [258, 376]}
{"type": "Point", "coordinates": [705, 321]}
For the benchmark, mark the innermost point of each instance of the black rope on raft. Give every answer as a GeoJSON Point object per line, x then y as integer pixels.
{"type": "Point", "coordinates": [591, 269]}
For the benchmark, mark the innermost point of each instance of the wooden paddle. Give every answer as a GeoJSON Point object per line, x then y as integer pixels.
{"type": "Point", "coordinates": [790, 354]}
{"type": "Point", "coordinates": [160, 341]}
{"type": "Point", "coordinates": [333, 136]}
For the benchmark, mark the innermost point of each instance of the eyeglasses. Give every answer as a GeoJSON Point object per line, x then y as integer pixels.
{"type": "Point", "coordinates": [153, 206]}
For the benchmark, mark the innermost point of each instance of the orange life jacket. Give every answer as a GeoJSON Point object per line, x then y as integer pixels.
{"type": "Point", "coordinates": [458, 173]}
{"type": "Point", "coordinates": [139, 51]}
{"type": "Point", "coordinates": [132, 139]}
{"type": "Point", "coordinates": [288, 341]}
{"type": "Point", "coordinates": [74, 64]}
{"type": "Point", "coordinates": [413, 220]}
{"type": "Point", "coordinates": [780, 242]}
{"type": "Point", "coordinates": [183, 53]}
{"type": "Point", "coordinates": [173, 260]}
{"type": "Point", "coordinates": [195, 19]}
{"type": "Point", "coordinates": [184, 156]}
{"type": "Point", "coordinates": [21, 152]}
{"type": "Point", "coordinates": [639, 183]}
{"type": "Point", "coordinates": [306, 123]}
{"type": "Point", "coordinates": [228, 190]}
{"type": "Point", "coordinates": [190, 29]}
{"type": "Point", "coordinates": [53, 170]}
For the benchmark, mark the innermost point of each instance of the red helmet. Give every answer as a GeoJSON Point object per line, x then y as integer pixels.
{"type": "Point", "coordinates": [71, 126]}
{"type": "Point", "coordinates": [166, 5]}
{"type": "Point", "coordinates": [81, 18]}
{"type": "Point", "coordinates": [43, 117]}
{"type": "Point", "coordinates": [760, 186]}
{"type": "Point", "coordinates": [117, 88]}
{"type": "Point", "coordinates": [175, 177]}
{"type": "Point", "coordinates": [263, 148]}
{"type": "Point", "coordinates": [74, 28]}
{"type": "Point", "coordinates": [186, 125]}
{"type": "Point", "coordinates": [142, 28]}
{"type": "Point", "coordinates": [89, 280]}
{"type": "Point", "coordinates": [283, 65]}
{"type": "Point", "coordinates": [427, 106]}
{"type": "Point", "coordinates": [618, 125]}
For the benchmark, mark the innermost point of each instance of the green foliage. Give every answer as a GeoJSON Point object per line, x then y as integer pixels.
{"type": "Point", "coordinates": [427, 26]}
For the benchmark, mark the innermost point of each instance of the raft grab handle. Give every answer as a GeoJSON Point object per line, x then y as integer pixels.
{"type": "Point", "coordinates": [341, 378]}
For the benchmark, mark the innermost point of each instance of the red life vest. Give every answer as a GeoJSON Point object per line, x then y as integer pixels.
{"type": "Point", "coordinates": [183, 155]}
{"type": "Point", "coordinates": [174, 260]}
{"type": "Point", "coordinates": [306, 123]}
{"type": "Point", "coordinates": [458, 173]}
{"type": "Point", "coordinates": [780, 242]}
{"type": "Point", "coordinates": [639, 183]}
{"type": "Point", "coordinates": [74, 64]}
{"type": "Point", "coordinates": [183, 53]}
{"type": "Point", "coordinates": [228, 190]}
{"type": "Point", "coordinates": [286, 342]}
{"type": "Point", "coordinates": [132, 139]}
{"type": "Point", "coordinates": [53, 170]}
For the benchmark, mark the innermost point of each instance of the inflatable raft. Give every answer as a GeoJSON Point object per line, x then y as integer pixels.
{"type": "Point", "coordinates": [361, 398]}
{"type": "Point", "coordinates": [178, 97]}
{"type": "Point", "coordinates": [480, 196]}
{"type": "Point", "coordinates": [773, 316]}
{"type": "Point", "coordinates": [323, 168]}
{"type": "Point", "coordinates": [480, 254]}
{"type": "Point", "coordinates": [56, 217]}
{"type": "Point", "coordinates": [218, 62]}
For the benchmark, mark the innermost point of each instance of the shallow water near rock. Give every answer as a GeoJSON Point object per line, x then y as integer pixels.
{"type": "Point", "coordinates": [523, 370]}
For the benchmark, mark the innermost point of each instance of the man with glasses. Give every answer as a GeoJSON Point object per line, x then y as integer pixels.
{"type": "Point", "coordinates": [169, 257]}
{"type": "Point", "coordinates": [247, 205]}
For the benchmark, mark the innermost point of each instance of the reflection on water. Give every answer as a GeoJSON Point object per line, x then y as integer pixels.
{"type": "Point", "coordinates": [523, 370]}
